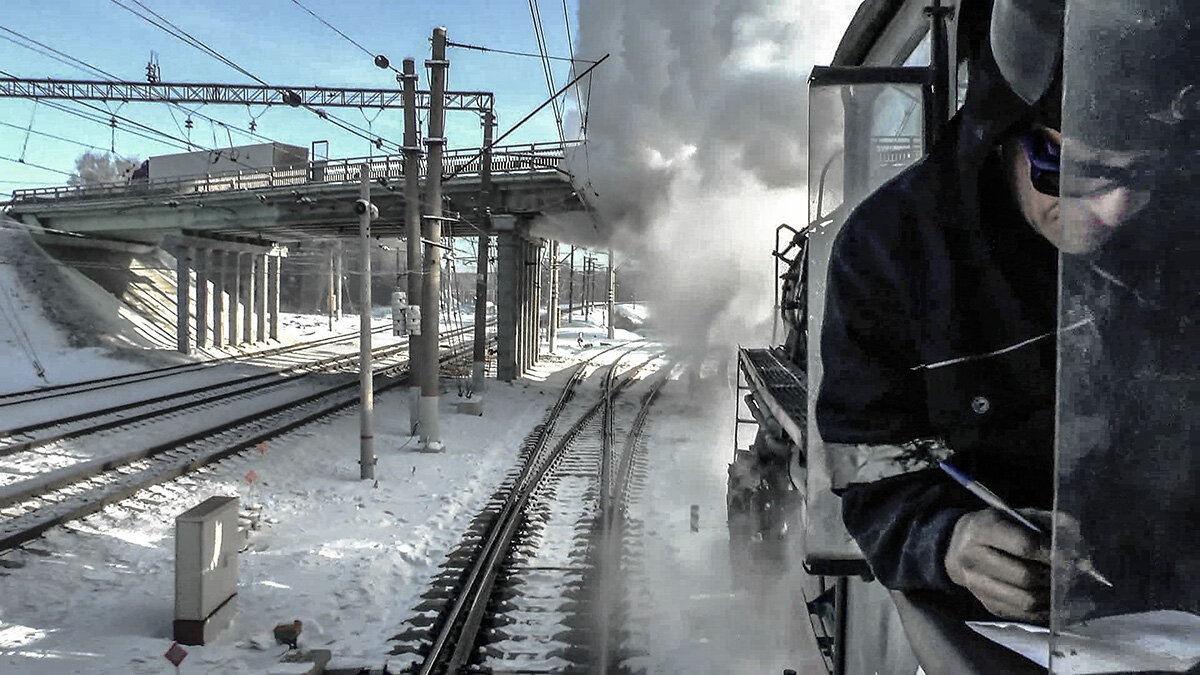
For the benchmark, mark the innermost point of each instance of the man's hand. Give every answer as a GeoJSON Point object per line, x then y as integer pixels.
{"type": "Point", "coordinates": [1004, 565]}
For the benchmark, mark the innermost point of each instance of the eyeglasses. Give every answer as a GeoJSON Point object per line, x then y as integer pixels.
{"type": "Point", "coordinates": [1090, 177]}
{"type": "Point", "coordinates": [1045, 161]}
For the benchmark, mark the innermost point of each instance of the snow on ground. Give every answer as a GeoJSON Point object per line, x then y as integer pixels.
{"type": "Point", "coordinates": [346, 556]}
{"type": "Point", "coordinates": [350, 557]}
{"type": "Point", "coordinates": [34, 350]}
{"type": "Point", "coordinates": [701, 613]}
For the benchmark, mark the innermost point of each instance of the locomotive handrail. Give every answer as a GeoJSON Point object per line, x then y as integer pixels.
{"type": "Point", "coordinates": [525, 158]}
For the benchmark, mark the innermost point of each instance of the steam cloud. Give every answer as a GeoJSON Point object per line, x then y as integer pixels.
{"type": "Point", "coordinates": [695, 130]}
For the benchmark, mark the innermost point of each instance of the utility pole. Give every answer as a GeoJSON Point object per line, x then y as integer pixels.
{"type": "Point", "coordinates": [366, 460]}
{"type": "Point", "coordinates": [183, 256]}
{"type": "Point", "coordinates": [612, 295]}
{"type": "Point", "coordinates": [552, 313]}
{"type": "Point", "coordinates": [479, 367]}
{"type": "Point", "coordinates": [412, 230]}
{"type": "Point", "coordinates": [436, 142]}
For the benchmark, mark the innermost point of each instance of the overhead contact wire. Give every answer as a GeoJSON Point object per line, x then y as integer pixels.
{"type": "Point", "coordinates": [187, 38]}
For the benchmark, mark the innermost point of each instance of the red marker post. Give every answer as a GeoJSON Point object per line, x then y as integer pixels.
{"type": "Point", "coordinates": [175, 654]}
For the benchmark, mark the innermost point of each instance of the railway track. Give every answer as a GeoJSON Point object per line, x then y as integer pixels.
{"type": "Point", "coordinates": [51, 392]}
{"type": "Point", "coordinates": [32, 506]}
{"type": "Point", "coordinates": [584, 470]}
{"type": "Point", "coordinates": [30, 436]}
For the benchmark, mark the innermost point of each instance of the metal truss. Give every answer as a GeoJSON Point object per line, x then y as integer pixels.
{"type": "Point", "coordinates": [239, 94]}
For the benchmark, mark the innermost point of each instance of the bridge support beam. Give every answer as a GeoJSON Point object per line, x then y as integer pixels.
{"type": "Point", "coordinates": [275, 264]}
{"type": "Point", "coordinates": [479, 365]}
{"type": "Point", "coordinates": [219, 261]}
{"type": "Point", "coordinates": [552, 305]}
{"type": "Point", "coordinates": [183, 276]}
{"type": "Point", "coordinates": [507, 304]}
{"type": "Point", "coordinates": [533, 305]}
{"type": "Point", "coordinates": [260, 297]}
{"type": "Point", "coordinates": [243, 301]}
{"type": "Point", "coordinates": [248, 299]}
{"type": "Point", "coordinates": [517, 305]}
{"type": "Point", "coordinates": [201, 264]}
{"type": "Point", "coordinates": [235, 294]}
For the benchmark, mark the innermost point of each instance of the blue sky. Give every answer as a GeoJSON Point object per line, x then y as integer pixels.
{"type": "Point", "coordinates": [281, 43]}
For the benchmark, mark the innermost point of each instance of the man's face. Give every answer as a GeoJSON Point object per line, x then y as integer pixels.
{"type": "Point", "coordinates": [1095, 205]}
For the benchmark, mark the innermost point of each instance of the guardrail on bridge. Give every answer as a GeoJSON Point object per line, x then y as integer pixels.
{"type": "Point", "coordinates": [525, 159]}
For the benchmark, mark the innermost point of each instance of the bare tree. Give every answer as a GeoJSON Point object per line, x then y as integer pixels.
{"type": "Point", "coordinates": [93, 168]}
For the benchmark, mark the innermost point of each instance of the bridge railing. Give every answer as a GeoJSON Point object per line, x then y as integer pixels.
{"type": "Point", "coordinates": [529, 158]}
{"type": "Point", "coordinates": [897, 151]}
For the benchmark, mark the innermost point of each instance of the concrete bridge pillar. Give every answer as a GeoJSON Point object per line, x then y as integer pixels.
{"type": "Point", "coordinates": [202, 265]}
{"type": "Point", "coordinates": [552, 303]}
{"type": "Point", "coordinates": [508, 247]}
{"type": "Point", "coordinates": [233, 261]}
{"type": "Point", "coordinates": [260, 297]}
{"type": "Point", "coordinates": [523, 297]}
{"type": "Point", "coordinates": [517, 305]}
{"type": "Point", "coordinates": [183, 275]}
{"type": "Point", "coordinates": [533, 268]}
{"type": "Point", "coordinates": [274, 262]}
{"type": "Point", "coordinates": [248, 298]}
{"type": "Point", "coordinates": [219, 261]}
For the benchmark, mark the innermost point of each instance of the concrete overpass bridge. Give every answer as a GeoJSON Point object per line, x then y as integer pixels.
{"type": "Point", "coordinates": [292, 204]}
{"type": "Point", "coordinates": [229, 232]}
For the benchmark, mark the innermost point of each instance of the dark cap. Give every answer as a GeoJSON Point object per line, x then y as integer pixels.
{"type": "Point", "coordinates": [1027, 41]}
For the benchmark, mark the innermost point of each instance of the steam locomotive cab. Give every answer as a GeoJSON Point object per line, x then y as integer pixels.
{"type": "Point", "coordinates": [1127, 397]}
{"type": "Point", "coordinates": [866, 125]}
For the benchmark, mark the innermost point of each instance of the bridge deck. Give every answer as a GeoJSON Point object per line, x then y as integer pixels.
{"type": "Point", "coordinates": [293, 203]}
{"type": "Point", "coordinates": [463, 164]}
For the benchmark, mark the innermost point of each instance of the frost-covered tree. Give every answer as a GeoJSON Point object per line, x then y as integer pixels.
{"type": "Point", "coordinates": [101, 167]}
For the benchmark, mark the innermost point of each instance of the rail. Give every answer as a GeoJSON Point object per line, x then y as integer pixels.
{"type": "Point", "coordinates": [83, 489]}
{"type": "Point", "coordinates": [523, 159]}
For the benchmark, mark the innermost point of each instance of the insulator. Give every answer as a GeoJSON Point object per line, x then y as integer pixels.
{"type": "Point", "coordinates": [188, 122]}
{"type": "Point", "coordinates": [253, 125]}
{"type": "Point", "coordinates": [382, 61]}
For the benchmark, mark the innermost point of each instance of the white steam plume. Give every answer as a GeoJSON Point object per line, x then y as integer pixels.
{"type": "Point", "coordinates": [696, 143]}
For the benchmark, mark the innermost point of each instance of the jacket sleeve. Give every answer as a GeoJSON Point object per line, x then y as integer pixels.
{"type": "Point", "coordinates": [870, 397]}
{"type": "Point", "coordinates": [903, 526]}
{"type": "Point", "coordinates": [869, 392]}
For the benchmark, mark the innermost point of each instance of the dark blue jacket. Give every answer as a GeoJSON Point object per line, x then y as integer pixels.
{"type": "Point", "coordinates": [939, 323]}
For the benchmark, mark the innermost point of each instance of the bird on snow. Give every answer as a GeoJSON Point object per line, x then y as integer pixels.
{"type": "Point", "coordinates": [288, 633]}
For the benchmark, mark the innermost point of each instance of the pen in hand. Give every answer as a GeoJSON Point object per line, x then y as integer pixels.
{"type": "Point", "coordinates": [992, 500]}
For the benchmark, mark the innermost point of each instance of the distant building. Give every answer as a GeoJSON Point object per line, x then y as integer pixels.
{"type": "Point", "coordinates": [261, 157]}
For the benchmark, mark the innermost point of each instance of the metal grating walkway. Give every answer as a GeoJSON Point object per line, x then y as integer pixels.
{"type": "Point", "coordinates": [780, 384]}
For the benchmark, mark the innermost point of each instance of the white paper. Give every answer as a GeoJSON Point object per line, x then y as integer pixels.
{"type": "Point", "coordinates": [1161, 640]}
